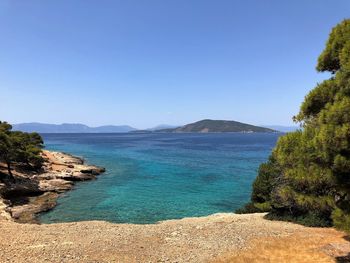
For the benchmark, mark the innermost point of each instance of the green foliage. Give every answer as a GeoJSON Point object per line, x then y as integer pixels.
{"type": "Point", "coordinates": [341, 219]}
{"type": "Point", "coordinates": [28, 148]}
{"type": "Point", "coordinates": [254, 208]}
{"type": "Point", "coordinates": [308, 219]}
{"type": "Point", "coordinates": [265, 182]}
{"type": "Point", "coordinates": [20, 147]}
{"type": "Point", "coordinates": [307, 178]}
{"type": "Point", "coordinates": [248, 208]}
{"type": "Point", "coordinates": [262, 188]}
{"type": "Point", "coordinates": [330, 58]}
{"type": "Point", "coordinates": [317, 99]}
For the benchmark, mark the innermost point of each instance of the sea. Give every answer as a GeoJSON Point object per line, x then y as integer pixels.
{"type": "Point", "coordinates": [151, 177]}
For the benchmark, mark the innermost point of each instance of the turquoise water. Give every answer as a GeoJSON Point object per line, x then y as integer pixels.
{"type": "Point", "coordinates": [153, 177]}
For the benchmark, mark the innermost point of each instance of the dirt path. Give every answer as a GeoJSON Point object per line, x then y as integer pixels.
{"type": "Point", "coordinates": [216, 238]}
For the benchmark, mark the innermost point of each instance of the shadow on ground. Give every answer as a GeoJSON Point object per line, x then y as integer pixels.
{"type": "Point", "coordinates": [346, 258]}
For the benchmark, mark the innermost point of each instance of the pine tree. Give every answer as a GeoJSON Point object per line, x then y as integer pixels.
{"type": "Point", "coordinates": [307, 178]}
{"type": "Point", "coordinates": [19, 148]}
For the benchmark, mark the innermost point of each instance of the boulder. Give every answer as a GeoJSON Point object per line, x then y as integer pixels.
{"type": "Point", "coordinates": [26, 213]}
{"type": "Point", "coordinates": [95, 170]}
{"type": "Point", "coordinates": [55, 185]}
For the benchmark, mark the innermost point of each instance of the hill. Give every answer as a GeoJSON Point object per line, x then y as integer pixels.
{"type": "Point", "coordinates": [207, 125]}
{"type": "Point", "coordinates": [69, 128]}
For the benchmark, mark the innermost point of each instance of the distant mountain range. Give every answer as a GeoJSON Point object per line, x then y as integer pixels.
{"type": "Point", "coordinates": [199, 126]}
{"type": "Point", "coordinates": [204, 126]}
{"type": "Point", "coordinates": [70, 128]}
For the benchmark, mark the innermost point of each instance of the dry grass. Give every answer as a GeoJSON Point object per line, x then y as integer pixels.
{"type": "Point", "coordinates": [314, 245]}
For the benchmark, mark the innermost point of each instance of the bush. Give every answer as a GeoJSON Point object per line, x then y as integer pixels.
{"type": "Point", "coordinates": [248, 209]}
{"type": "Point", "coordinates": [341, 219]}
{"type": "Point", "coordinates": [308, 219]}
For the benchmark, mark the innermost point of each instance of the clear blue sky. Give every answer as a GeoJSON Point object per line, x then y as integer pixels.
{"type": "Point", "coordinates": [144, 63]}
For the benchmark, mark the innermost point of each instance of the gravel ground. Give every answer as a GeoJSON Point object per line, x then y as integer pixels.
{"type": "Point", "coordinates": [202, 239]}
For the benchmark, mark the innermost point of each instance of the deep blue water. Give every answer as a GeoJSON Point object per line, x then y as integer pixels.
{"type": "Point", "coordinates": [153, 177]}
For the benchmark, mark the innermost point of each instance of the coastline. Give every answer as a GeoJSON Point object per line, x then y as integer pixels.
{"type": "Point", "coordinates": [223, 237]}
{"type": "Point", "coordinates": [36, 192]}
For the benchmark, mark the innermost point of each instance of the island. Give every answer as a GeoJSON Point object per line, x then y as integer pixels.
{"type": "Point", "coordinates": [207, 125]}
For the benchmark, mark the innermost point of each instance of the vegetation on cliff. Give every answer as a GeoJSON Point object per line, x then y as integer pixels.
{"type": "Point", "coordinates": [307, 178]}
{"type": "Point", "coordinates": [19, 148]}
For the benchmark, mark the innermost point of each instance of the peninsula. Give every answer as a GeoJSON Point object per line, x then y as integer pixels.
{"type": "Point", "coordinates": [33, 192]}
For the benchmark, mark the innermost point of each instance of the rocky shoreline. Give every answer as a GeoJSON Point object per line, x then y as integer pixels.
{"type": "Point", "coordinates": [216, 238]}
{"type": "Point", "coordinates": [36, 192]}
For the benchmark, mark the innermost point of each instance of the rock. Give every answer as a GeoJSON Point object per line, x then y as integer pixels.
{"type": "Point", "coordinates": [46, 176]}
{"type": "Point", "coordinates": [3, 207]}
{"type": "Point", "coordinates": [95, 170]}
{"type": "Point", "coordinates": [32, 194]}
{"type": "Point", "coordinates": [27, 212]}
{"type": "Point", "coordinates": [22, 187]}
{"type": "Point", "coordinates": [55, 185]}
{"type": "Point", "coordinates": [78, 176]}
{"type": "Point", "coordinates": [71, 160]}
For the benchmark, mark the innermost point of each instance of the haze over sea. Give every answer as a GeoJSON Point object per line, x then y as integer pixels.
{"type": "Point", "coordinates": [159, 176]}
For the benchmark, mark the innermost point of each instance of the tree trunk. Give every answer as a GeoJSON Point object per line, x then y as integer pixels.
{"type": "Point", "coordinates": [10, 172]}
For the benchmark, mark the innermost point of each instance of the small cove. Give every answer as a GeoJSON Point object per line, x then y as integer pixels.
{"type": "Point", "coordinates": [158, 176]}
